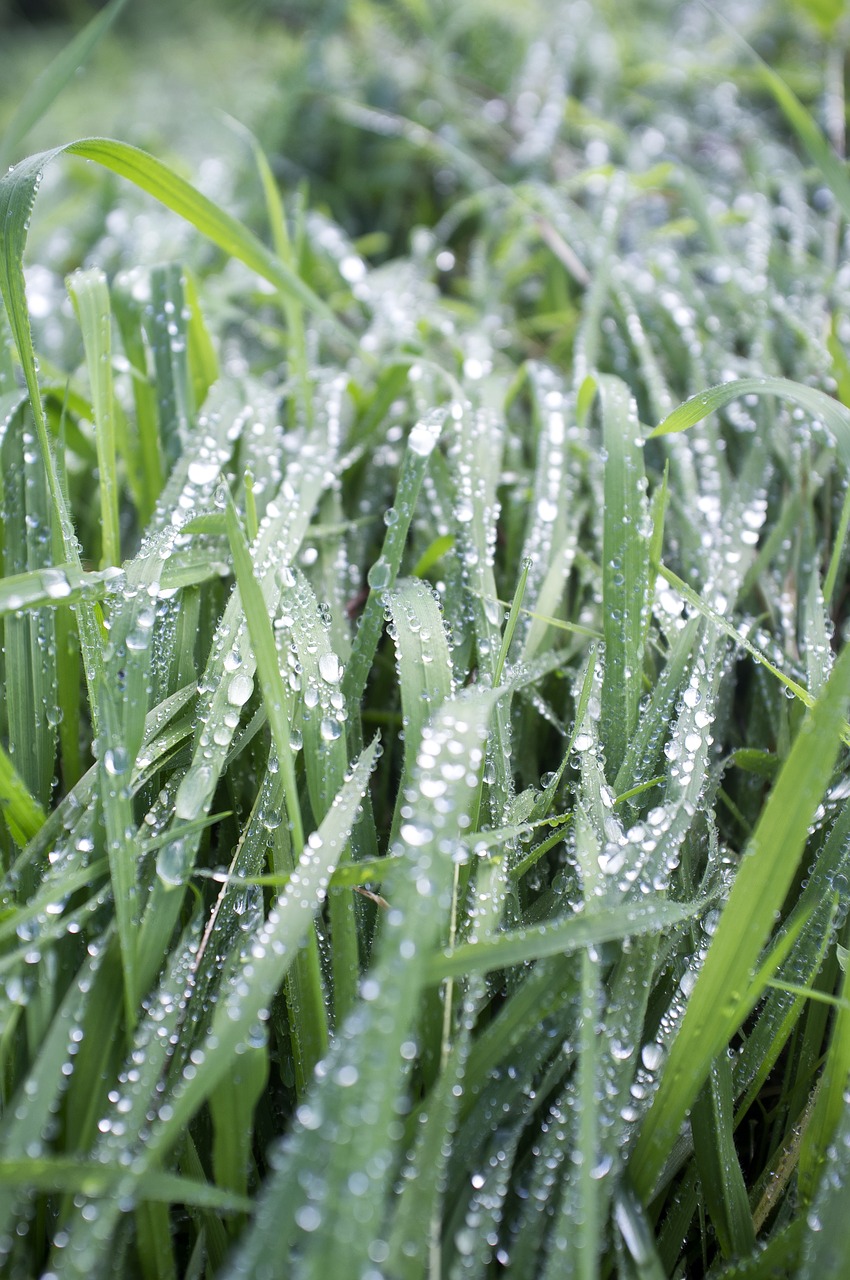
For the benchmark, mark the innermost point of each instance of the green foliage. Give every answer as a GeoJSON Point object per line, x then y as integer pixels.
{"type": "Point", "coordinates": [353, 920]}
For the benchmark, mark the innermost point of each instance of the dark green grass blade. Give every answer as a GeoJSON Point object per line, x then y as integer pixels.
{"type": "Point", "coordinates": [721, 1178]}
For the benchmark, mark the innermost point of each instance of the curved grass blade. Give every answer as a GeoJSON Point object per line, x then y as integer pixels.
{"type": "Point", "coordinates": [18, 190]}
{"type": "Point", "coordinates": [21, 810]}
{"type": "Point", "coordinates": [88, 1178]}
{"type": "Point", "coordinates": [833, 169]}
{"type": "Point", "coordinates": [820, 405]}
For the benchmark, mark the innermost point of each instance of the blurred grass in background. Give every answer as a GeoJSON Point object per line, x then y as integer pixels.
{"type": "Point", "coordinates": [589, 1033]}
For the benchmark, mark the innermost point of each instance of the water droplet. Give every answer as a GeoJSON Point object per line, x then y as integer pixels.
{"type": "Point", "coordinates": [380, 574]}
{"type": "Point", "coordinates": [329, 668]}
{"type": "Point", "coordinates": [239, 690]}
{"type": "Point", "coordinates": [202, 470]}
{"type": "Point", "coordinates": [116, 761]}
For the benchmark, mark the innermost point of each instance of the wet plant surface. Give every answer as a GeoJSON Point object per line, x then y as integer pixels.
{"type": "Point", "coordinates": [423, 739]}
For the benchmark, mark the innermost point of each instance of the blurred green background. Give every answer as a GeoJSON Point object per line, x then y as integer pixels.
{"type": "Point", "coordinates": [384, 111]}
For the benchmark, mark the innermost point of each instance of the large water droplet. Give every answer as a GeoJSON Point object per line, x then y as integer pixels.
{"type": "Point", "coordinates": [239, 690]}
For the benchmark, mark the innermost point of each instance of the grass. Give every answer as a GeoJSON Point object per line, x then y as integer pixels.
{"type": "Point", "coordinates": [423, 744]}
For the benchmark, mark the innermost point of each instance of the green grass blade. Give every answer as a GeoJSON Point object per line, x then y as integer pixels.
{"type": "Point", "coordinates": [424, 668]}
{"type": "Point", "coordinates": [822, 407]}
{"type": "Point", "coordinates": [366, 1068]}
{"type": "Point", "coordinates": [720, 1173]}
{"type": "Point", "coordinates": [129, 312]}
{"type": "Point", "coordinates": [321, 724]}
{"type": "Point", "coordinates": [557, 937]}
{"type": "Point", "coordinates": [18, 190]}
{"type": "Point", "coordinates": [831, 1103]}
{"type": "Point", "coordinates": [275, 691]}
{"type": "Point", "coordinates": [759, 889]}
{"type": "Point", "coordinates": [833, 168]}
{"type": "Point", "coordinates": [625, 556]}
{"type": "Point", "coordinates": [421, 443]}
{"type": "Point", "coordinates": [167, 334]}
{"type": "Point", "coordinates": [23, 813]}
{"type": "Point", "coordinates": [277, 944]}
{"type": "Point", "coordinates": [90, 296]}
{"type": "Point", "coordinates": [825, 1246]}
{"type": "Point", "coordinates": [93, 1180]}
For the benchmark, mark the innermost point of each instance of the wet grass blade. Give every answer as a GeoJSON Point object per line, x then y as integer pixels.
{"type": "Point", "coordinates": [558, 937]}
{"type": "Point", "coordinates": [366, 1070]}
{"type": "Point", "coordinates": [822, 407]}
{"type": "Point", "coordinates": [421, 443]}
{"type": "Point", "coordinates": [762, 881]}
{"type": "Point", "coordinates": [625, 562]}
{"type": "Point", "coordinates": [18, 190]}
{"type": "Point", "coordinates": [424, 668]}
{"type": "Point", "coordinates": [90, 296]}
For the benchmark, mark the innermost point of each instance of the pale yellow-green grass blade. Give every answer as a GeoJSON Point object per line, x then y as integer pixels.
{"type": "Point", "coordinates": [22, 812]}
{"type": "Point", "coordinates": [822, 407]}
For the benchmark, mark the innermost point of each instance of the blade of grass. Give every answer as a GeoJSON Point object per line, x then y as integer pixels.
{"type": "Point", "coordinates": [558, 937]}
{"type": "Point", "coordinates": [759, 889]}
{"type": "Point", "coordinates": [90, 296]}
{"type": "Point", "coordinates": [625, 556]}
{"type": "Point", "coordinates": [18, 190]}
{"type": "Point", "coordinates": [822, 407]}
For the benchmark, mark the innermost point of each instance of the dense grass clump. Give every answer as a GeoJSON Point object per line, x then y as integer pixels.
{"type": "Point", "coordinates": [423, 744]}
